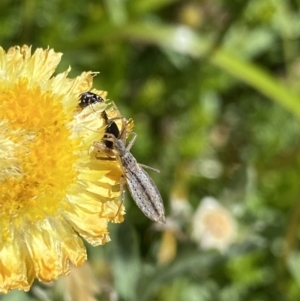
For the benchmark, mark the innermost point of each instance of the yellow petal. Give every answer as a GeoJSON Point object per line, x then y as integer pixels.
{"type": "Point", "coordinates": [55, 187]}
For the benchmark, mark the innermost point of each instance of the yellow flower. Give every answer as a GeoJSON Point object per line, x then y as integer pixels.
{"type": "Point", "coordinates": [53, 184]}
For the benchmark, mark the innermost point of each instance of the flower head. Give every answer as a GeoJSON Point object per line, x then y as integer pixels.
{"type": "Point", "coordinates": [53, 185]}
{"type": "Point", "coordinates": [213, 225]}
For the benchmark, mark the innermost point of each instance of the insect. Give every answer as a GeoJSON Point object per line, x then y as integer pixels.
{"type": "Point", "coordinates": [141, 187]}
{"type": "Point", "coordinates": [89, 98]}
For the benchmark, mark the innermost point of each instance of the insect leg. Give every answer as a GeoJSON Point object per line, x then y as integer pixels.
{"type": "Point", "coordinates": [101, 145]}
{"type": "Point", "coordinates": [131, 142]}
{"type": "Point", "coordinates": [122, 182]}
{"type": "Point", "coordinates": [149, 167]}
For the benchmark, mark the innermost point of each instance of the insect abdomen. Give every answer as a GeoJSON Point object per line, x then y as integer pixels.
{"type": "Point", "coordinates": [145, 194]}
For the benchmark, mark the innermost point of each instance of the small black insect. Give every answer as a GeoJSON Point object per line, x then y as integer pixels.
{"type": "Point", "coordinates": [89, 98]}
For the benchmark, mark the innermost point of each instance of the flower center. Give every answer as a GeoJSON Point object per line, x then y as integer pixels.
{"type": "Point", "coordinates": [37, 155]}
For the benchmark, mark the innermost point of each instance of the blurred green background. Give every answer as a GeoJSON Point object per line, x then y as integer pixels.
{"type": "Point", "coordinates": [213, 88]}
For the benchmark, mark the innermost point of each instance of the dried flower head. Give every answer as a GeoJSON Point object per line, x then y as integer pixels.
{"type": "Point", "coordinates": [52, 185]}
{"type": "Point", "coordinates": [213, 225]}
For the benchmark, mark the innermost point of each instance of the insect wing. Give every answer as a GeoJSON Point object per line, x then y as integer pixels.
{"type": "Point", "coordinates": [145, 194]}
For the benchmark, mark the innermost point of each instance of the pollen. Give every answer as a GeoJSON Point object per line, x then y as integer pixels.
{"type": "Point", "coordinates": [42, 154]}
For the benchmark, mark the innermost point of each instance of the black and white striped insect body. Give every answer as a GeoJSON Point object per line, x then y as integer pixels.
{"type": "Point", "coordinates": [141, 187]}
